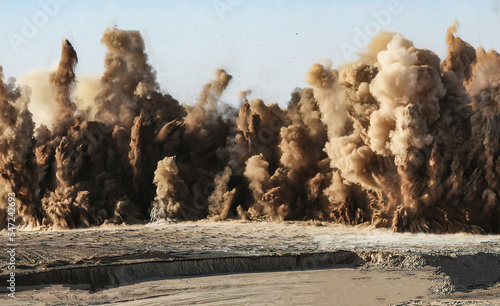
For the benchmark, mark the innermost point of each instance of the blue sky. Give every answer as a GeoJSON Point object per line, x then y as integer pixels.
{"type": "Point", "coordinates": [267, 46]}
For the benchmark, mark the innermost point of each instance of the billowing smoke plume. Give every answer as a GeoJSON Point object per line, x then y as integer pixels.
{"type": "Point", "coordinates": [17, 161]}
{"type": "Point", "coordinates": [402, 142]}
{"type": "Point", "coordinates": [398, 139]}
{"type": "Point", "coordinates": [185, 178]}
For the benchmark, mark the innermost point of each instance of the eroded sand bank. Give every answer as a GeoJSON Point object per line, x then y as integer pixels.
{"type": "Point", "coordinates": [290, 262]}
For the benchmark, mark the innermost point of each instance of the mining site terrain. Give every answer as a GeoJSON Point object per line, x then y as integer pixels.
{"type": "Point", "coordinates": [238, 262]}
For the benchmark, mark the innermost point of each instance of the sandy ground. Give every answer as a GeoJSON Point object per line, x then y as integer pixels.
{"type": "Point", "coordinates": [395, 268]}
{"type": "Point", "coordinates": [345, 286]}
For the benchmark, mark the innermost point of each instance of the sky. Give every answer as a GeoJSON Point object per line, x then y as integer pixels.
{"type": "Point", "coordinates": [267, 46]}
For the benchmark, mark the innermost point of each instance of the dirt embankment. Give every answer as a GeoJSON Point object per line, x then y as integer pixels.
{"type": "Point", "coordinates": [153, 254]}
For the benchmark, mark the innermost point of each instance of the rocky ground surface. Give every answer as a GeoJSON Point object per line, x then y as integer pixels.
{"type": "Point", "coordinates": [290, 263]}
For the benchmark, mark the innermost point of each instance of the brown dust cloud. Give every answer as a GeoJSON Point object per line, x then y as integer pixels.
{"type": "Point", "coordinates": [399, 139]}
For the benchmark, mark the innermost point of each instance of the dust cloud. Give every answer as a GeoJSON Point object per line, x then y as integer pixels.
{"type": "Point", "coordinates": [399, 139]}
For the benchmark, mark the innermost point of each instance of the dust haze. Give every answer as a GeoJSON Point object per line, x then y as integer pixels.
{"type": "Point", "coordinates": [399, 139]}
